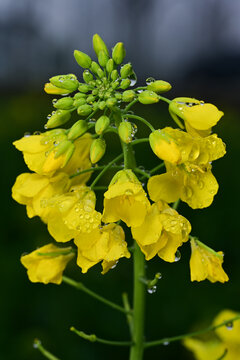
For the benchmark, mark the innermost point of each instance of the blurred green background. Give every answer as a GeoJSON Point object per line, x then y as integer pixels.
{"type": "Point", "coordinates": [27, 61]}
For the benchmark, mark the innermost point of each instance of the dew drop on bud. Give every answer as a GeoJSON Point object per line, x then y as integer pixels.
{"type": "Point", "coordinates": [229, 325]}
{"type": "Point", "coordinates": [37, 133]}
{"type": "Point", "coordinates": [152, 289]}
{"type": "Point", "coordinates": [177, 256]}
{"type": "Point", "coordinates": [27, 134]}
{"type": "Point", "coordinates": [149, 80]}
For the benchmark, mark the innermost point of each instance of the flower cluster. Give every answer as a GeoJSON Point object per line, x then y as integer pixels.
{"type": "Point", "coordinates": [61, 161]}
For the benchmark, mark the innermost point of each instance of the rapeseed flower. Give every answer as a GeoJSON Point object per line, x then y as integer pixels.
{"type": "Point", "coordinates": [47, 263]}
{"type": "Point", "coordinates": [205, 263]}
{"type": "Point", "coordinates": [125, 200]}
{"type": "Point", "coordinates": [106, 244]}
{"type": "Point", "coordinates": [162, 232]}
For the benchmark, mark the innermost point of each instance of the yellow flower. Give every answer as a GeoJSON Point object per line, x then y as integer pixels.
{"type": "Point", "coordinates": [164, 146]}
{"type": "Point", "coordinates": [52, 89]}
{"type": "Point", "coordinates": [71, 213]}
{"type": "Point", "coordinates": [125, 199]}
{"type": "Point", "coordinates": [106, 244]}
{"type": "Point", "coordinates": [34, 189]}
{"type": "Point", "coordinates": [39, 152]}
{"type": "Point", "coordinates": [226, 340]}
{"type": "Point", "coordinates": [197, 114]}
{"type": "Point", "coordinates": [191, 180]}
{"type": "Point", "coordinates": [48, 267]}
{"type": "Point", "coordinates": [162, 232]}
{"type": "Point", "coordinates": [205, 263]}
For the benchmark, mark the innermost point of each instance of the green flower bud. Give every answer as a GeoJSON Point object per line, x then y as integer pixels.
{"type": "Point", "coordinates": [84, 110]}
{"type": "Point", "coordinates": [128, 95]}
{"type": "Point", "coordinates": [103, 58]}
{"type": "Point", "coordinates": [118, 95]}
{"type": "Point", "coordinates": [68, 82]}
{"type": "Point", "coordinates": [102, 124]}
{"type": "Point", "coordinates": [100, 73]}
{"type": "Point", "coordinates": [77, 130]}
{"type": "Point", "coordinates": [126, 70]}
{"type": "Point", "coordinates": [79, 102]}
{"type": "Point", "coordinates": [95, 91]}
{"type": "Point", "coordinates": [65, 148]}
{"type": "Point", "coordinates": [95, 67]}
{"type": "Point", "coordinates": [99, 44]}
{"type": "Point", "coordinates": [110, 66]}
{"type": "Point", "coordinates": [111, 102]}
{"type": "Point", "coordinates": [159, 86]}
{"type": "Point", "coordinates": [79, 95]}
{"type": "Point", "coordinates": [102, 105]}
{"type": "Point", "coordinates": [87, 76]}
{"type": "Point", "coordinates": [97, 150]}
{"type": "Point", "coordinates": [65, 103]}
{"type": "Point", "coordinates": [148, 97]}
{"type": "Point", "coordinates": [126, 131]}
{"type": "Point", "coordinates": [125, 83]}
{"type": "Point", "coordinates": [114, 75]}
{"type": "Point", "coordinates": [118, 53]}
{"type": "Point", "coordinates": [90, 99]}
{"type": "Point", "coordinates": [84, 88]}
{"type": "Point", "coordinates": [95, 105]}
{"type": "Point", "coordinates": [82, 59]}
{"type": "Point", "coordinates": [58, 118]}
{"type": "Point", "coordinates": [115, 84]}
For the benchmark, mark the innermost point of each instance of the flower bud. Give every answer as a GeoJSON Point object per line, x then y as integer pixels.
{"type": "Point", "coordinates": [128, 95]}
{"type": "Point", "coordinates": [118, 95]}
{"type": "Point", "coordinates": [79, 95]}
{"type": "Point", "coordinates": [164, 147]}
{"type": "Point", "coordinates": [97, 150]}
{"type": "Point", "coordinates": [84, 110]}
{"type": "Point", "coordinates": [126, 131]}
{"type": "Point", "coordinates": [52, 89]}
{"type": "Point", "coordinates": [100, 73]}
{"type": "Point", "coordinates": [110, 66]}
{"type": "Point", "coordinates": [118, 53]}
{"type": "Point", "coordinates": [77, 130]}
{"type": "Point", "coordinates": [126, 70]}
{"type": "Point", "coordinates": [87, 76]}
{"type": "Point", "coordinates": [159, 86]}
{"type": "Point", "coordinates": [95, 67]}
{"type": "Point", "coordinates": [82, 59]}
{"type": "Point", "coordinates": [84, 88]}
{"type": "Point", "coordinates": [148, 97]}
{"type": "Point", "coordinates": [102, 105]}
{"type": "Point", "coordinates": [102, 124]}
{"type": "Point", "coordinates": [79, 102]}
{"type": "Point", "coordinates": [99, 44]}
{"type": "Point", "coordinates": [65, 148]}
{"type": "Point", "coordinates": [103, 58]}
{"type": "Point", "coordinates": [65, 103]}
{"type": "Point", "coordinates": [58, 118]}
{"type": "Point", "coordinates": [111, 102]}
{"type": "Point", "coordinates": [90, 99]}
{"type": "Point", "coordinates": [125, 83]}
{"type": "Point", "coordinates": [68, 82]}
{"type": "Point", "coordinates": [114, 75]}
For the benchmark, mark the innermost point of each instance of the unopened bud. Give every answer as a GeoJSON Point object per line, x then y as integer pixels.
{"type": "Point", "coordinates": [118, 53]}
{"type": "Point", "coordinates": [79, 102]}
{"type": "Point", "coordinates": [54, 90]}
{"type": "Point", "coordinates": [126, 70]}
{"type": "Point", "coordinates": [159, 86]}
{"type": "Point", "coordinates": [97, 150]}
{"type": "Point", "coordinates": [102, 105]}
{"type": "Point", "coordinates": [100, 73]}
{"type": "Point", "coordinates": [118, 95]}
{"type": "Point", "coordinates": [68, 82]}
{"type": "Point", "coordinates": [65, 148]}
{"type": "Point", "coordinates": [65, 103]}
{"type": "Point", "coordinates": [87, 76]}
{"type": "Point", "coordinates": [114, 75]}
{"type": "Point", "coordinates": [164, 147]}
{"type": "Point", "coordinates": [90, 99]}
{"type": "Point", "coordinates": [95, 67]}
{"type": "Point", "coordinates": [110, 66]}
{"type": "Point", "coordinates": [82, 59]}
{"type": "Point", "coordinates": [58, 118]}
{"type": "Point", "coordinates": [148, 97]}
{"type": "Point", "coordinates": [103, 58]}
{"type": "Point", "coordinates": [84, 88]}
{"type": "Point", "coordinates": [102, 124]}
{"type": "Point", "coordinates": [79, 95]}
{"type": "Point", "coordinates": [128, 95]}
{"type": "Point", "coordinates": [111, 102]}
{"type": "Point", "coordinates": [77, 130]}
{"type": "Point", "coordinates": [126, 131]}
{"type": "Point", "coordinates": [84, 110]}
{"type": "Point", "coordinates": [99, 44]}
{"type": "Point", "coordinates": [125, 83]}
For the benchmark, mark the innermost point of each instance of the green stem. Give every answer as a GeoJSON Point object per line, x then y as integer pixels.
{"type": "Point", "coordinates": [139, 141]}
{"type": "Point", "coordinates": [130, 105]}
{"type": "Point", "coordinates": [80, 286]}
{"type": "Point", "coordinates": [137, 348]}
{"type": "Point", "coordinates": [195, 333]}
{"type": "Point", "coordinates": [140, 119]}
{"type": "Point", "coordinates": [95, 168]}
{"type": "Point", "coordinates": [158, 167]}
{"type": "Point", "coordinates": [37, 345]}
{"type": "Point", "coordinates": [176, 204]}
{"type": "Point", "coordinates": [165, 99]}
{"type": "Point", "coordinates": [119, 157]}
{"type": "Point", "coordinates": [94, 338]}
{"type": "Point", "coordinates": [142, 172]}
{"type": "Point", "coordinates": [129, 315]}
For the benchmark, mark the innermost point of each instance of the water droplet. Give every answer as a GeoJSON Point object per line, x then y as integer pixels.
{"type": "Point", "coordinates": [149, 80]}
{"type": "Point", "coordinates": [152, 289]}
{"type": "Point", "coordinates": [177, 256]}
{"type": "Point", "coordinates": [165, 343]}
{"type": "Point", "coordinates": [139, 91]}
{"type": "Point", "coordinates": [37, 133]}
{"type": "Point", "coordinates": [27, 134]}
{"type": "Point", "coordinates": [229, 325]}
{"type": "Point", "coordinates": [54, 101]}
{"type": "Point", "coordinates": [188, 192]}
{"type": "Point", "coordinates": [47, 153]}
{"type": "Point", "coordinates": [87, 208]}
{"type": "Point", "coordinates": [77, 209]}
{"type": "Point", "coordinates": [129, 192]}
{"type": "Point", "coordinates": [201, 184]}
{"type": "Point", "coordinates": [194, 153]}
{"type": "Point", "coordinates": [45, 126]}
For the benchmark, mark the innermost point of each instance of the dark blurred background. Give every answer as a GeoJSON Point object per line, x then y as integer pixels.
{"type": "Point", "coordinates": [195, 45]}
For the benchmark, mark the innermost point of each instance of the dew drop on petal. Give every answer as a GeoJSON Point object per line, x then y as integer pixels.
{"type": "Point", "coordinates": [177, 256]}
{"type": "Point", "coordinates": [229, 325]}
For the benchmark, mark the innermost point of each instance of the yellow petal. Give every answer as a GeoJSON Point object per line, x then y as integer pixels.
{"type": "Point", "coordinates": [164, 187]}
{"type": "Point", "coordinates": [32, 144]}
{"type": "Point", "coordinates": [58, 229]}
{"type": "Point", "coordinates": [211, 350]}
{"type": "Point", "coordinates": [229, 334]}
{"type": "Point", "coordinates": [203, 116]}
